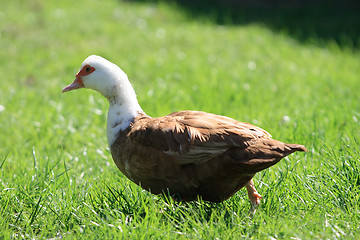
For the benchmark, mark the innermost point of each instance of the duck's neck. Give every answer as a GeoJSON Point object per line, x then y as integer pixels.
{"type": "Point", "coordinates": [124, 107]}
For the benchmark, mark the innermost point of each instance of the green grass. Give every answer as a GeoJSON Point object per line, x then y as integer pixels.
{"type": "Point", "coordinates": [57, 178]}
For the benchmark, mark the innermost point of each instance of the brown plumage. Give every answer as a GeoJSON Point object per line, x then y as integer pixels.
{"type": "Point", "coordinates": [188, 154]}
{"type": "Point", "coordinates": [191, 154]}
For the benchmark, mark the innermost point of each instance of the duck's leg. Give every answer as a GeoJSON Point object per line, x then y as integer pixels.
{"type": "Point", "coordinates": [254, 196]}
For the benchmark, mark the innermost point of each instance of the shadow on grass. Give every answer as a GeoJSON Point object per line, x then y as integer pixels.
{"type": "Point", "coordinates": [316, 21]}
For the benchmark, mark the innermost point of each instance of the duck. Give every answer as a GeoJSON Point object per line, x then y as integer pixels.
{"type": "Point", "coordinates": [186, 154]}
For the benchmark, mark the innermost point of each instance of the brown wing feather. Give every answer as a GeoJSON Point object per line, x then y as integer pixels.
{"type": "Point", "coordinates": [194, 137]}
{"type": "Point", "coordinates": [191, 154]}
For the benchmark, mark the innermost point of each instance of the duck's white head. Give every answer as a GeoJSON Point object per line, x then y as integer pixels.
{"type": "Point", "coordinates": [103, 76]}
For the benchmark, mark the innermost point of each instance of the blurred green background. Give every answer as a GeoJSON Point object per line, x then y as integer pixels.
{"type": "Point", "coordinates": [290, 67]}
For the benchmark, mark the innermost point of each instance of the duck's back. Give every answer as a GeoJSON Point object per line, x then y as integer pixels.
{"type": "Point", "coordinates": [191, 154]}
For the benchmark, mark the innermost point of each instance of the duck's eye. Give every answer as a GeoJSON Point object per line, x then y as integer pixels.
{"type": "Point", "coordinates": [86, 70]}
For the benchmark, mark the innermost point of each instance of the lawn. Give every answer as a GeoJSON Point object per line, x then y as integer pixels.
{"type": "Point", "coordinates": [57, 177]}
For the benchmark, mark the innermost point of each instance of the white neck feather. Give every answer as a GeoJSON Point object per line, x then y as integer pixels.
{"type": "Point", "coordinates": [109, 80]}
{"type": "Point", "coordinates": [124, 107]}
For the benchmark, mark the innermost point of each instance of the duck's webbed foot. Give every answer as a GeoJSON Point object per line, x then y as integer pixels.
{"type": "Point", "coordinates": [254, 196]}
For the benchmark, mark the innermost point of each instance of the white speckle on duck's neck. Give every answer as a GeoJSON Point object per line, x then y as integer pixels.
{"type": "Point", "coordinates": [123, 108]}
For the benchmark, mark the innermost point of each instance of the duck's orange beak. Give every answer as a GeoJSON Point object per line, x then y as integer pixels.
{"type": "Point", "coordinates": [78, 83]}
